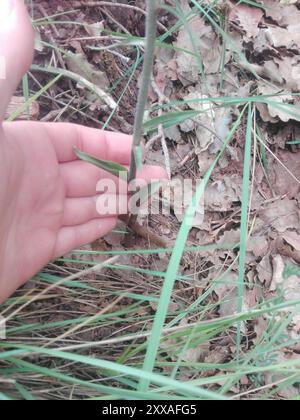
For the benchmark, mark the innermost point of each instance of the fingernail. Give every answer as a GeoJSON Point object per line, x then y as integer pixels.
{"type": "Point", "coordinates": [6, 8]}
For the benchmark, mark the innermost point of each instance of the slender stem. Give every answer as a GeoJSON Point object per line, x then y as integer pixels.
{"type": "Point", "coordinates": [151, 28]}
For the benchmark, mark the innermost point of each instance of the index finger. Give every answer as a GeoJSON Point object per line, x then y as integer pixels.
{"type": "Point", "coordinates": [102, 144]}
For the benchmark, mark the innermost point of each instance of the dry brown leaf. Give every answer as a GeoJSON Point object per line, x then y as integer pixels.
{"type": "Point", "coordinates": [207, 46]}
{"type": "Point", "coordinates": [260, 327]}
{"type": "Point", "coordinates": [248, 18]}
{"type": "Point", "coordinates": [277, 113]}
{"type": "Point", "coordinates": [285, 249]}
{"type": "Point", "coordinates": [230, 237]}
{"type": "Point", "coordinates": [226, 290]}
{"type": "Point", "coordinates": [278, 268]}
{"type": "Point", "coordinates": [187, 64]}
{"type": "Point", "coordinates": [265, 271]}
{"type": "Point", "coordinates": [293, 239]}
{"type": "Point", "coordinates": [264, 113]}
{"type": "Point", "coordinates": [287, 38]}
{"type": "Point", "coordinates": [281, 215]}
{"type": "Point", "coordinates": [280, 174]}
{"type": "Point", "coordinates": [258, 245]}
{"type": "Point", "coordinates": [283, 14]}
{"type": "Point", "coordinates": [204, 119]}
{"type": "Point", "coordinates": [95, 29]}
{"type": "Point", "coordinates": [261, 43]}
{"type": "Point", "coordinates": [223, 194]}
{"type": "Point", "coordinates": [218, 355]}
{"type": "Point", "coordinates": [196, 354]}
{"type": "Point", "coordinates": [289, 70]}
{"type": "Point", "coordinates": [290, 288]}
{"type": "Point", "coordinates": [288, 391]}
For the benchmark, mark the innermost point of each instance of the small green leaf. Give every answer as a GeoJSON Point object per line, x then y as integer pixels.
{"type": "Point", "coordinates": [112, 167]}
{"type": "Point", "coordinates": [296, 142]}
{"type": "Point", "coordinates": [169, 119]}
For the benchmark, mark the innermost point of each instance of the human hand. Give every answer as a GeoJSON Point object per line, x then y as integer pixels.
{"type": "Point", "coordinates": [47, 196]}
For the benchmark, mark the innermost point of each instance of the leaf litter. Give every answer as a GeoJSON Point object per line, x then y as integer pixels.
{"type": "Point", "coordinates": [268, 39]}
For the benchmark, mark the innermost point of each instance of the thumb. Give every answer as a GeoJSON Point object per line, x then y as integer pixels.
{"type": "Point", "coordinates": [16, 48]}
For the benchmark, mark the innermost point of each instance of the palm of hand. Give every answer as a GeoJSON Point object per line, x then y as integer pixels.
{"type": "Point", "coordinates": [34, 200]}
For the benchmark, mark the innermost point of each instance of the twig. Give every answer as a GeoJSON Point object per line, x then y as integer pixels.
{"type": "Point", "coordinates": [143, 232]}
{"type": "Point", "coordinates": [152, 141]}
{"type": "Point", "coordinates": [44, 13]}
{"type": "Point", "coordinates": [186, 159]}
{"type": "Point", "coordinates": [109, 15]}
{"type": "Point", "coordinates": [79, 79]}
{"type": "Point", "coordinates": [79, 5]}
{"type": "Point", "coordinates": [146, 234]}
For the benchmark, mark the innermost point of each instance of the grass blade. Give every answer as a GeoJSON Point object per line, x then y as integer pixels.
{"type": "Point", "coordinates": [108, 166]}
{"type": "Point", "coordinates": [244, 221]}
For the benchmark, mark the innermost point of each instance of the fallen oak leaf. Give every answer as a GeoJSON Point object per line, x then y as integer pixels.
{"type": "Point", "coordinates": [285, 165]}
{"type": "Point", "coordinates": [281, 214]}
{"type": "Point", "coordinates": [279, 104]}
{"type": "Point", "coordinates": [283, 14]}
{"type": "Point", "coordinates": [286, 250]}
{"type": "Point", "coordinates": [287, 38]}
{"type": "Point", "coordinates": [248, 17]}
{"type": "Point", "coordinates": [293, 239]}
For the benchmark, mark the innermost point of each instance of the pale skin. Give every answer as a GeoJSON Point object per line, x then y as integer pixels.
{"type": "Point", "coordinates": [47, 196]}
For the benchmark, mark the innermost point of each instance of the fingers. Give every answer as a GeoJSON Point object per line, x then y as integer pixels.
{"type": "Point", "coordinates": [81, 179]}
{"type": "Point", "coordinates": [79, 211]}
{"type": "Point", "coordinates": [16, 48]}
{"type": "Point", "coordinates": [101, 144]}
{"type": "Point", "coordinates": [70, 238]}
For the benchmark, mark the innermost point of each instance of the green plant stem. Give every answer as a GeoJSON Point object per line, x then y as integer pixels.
{"type": "Point", "coordinates": [151, 32]}
{"type": "Point", "coordinates": [151, 28]}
